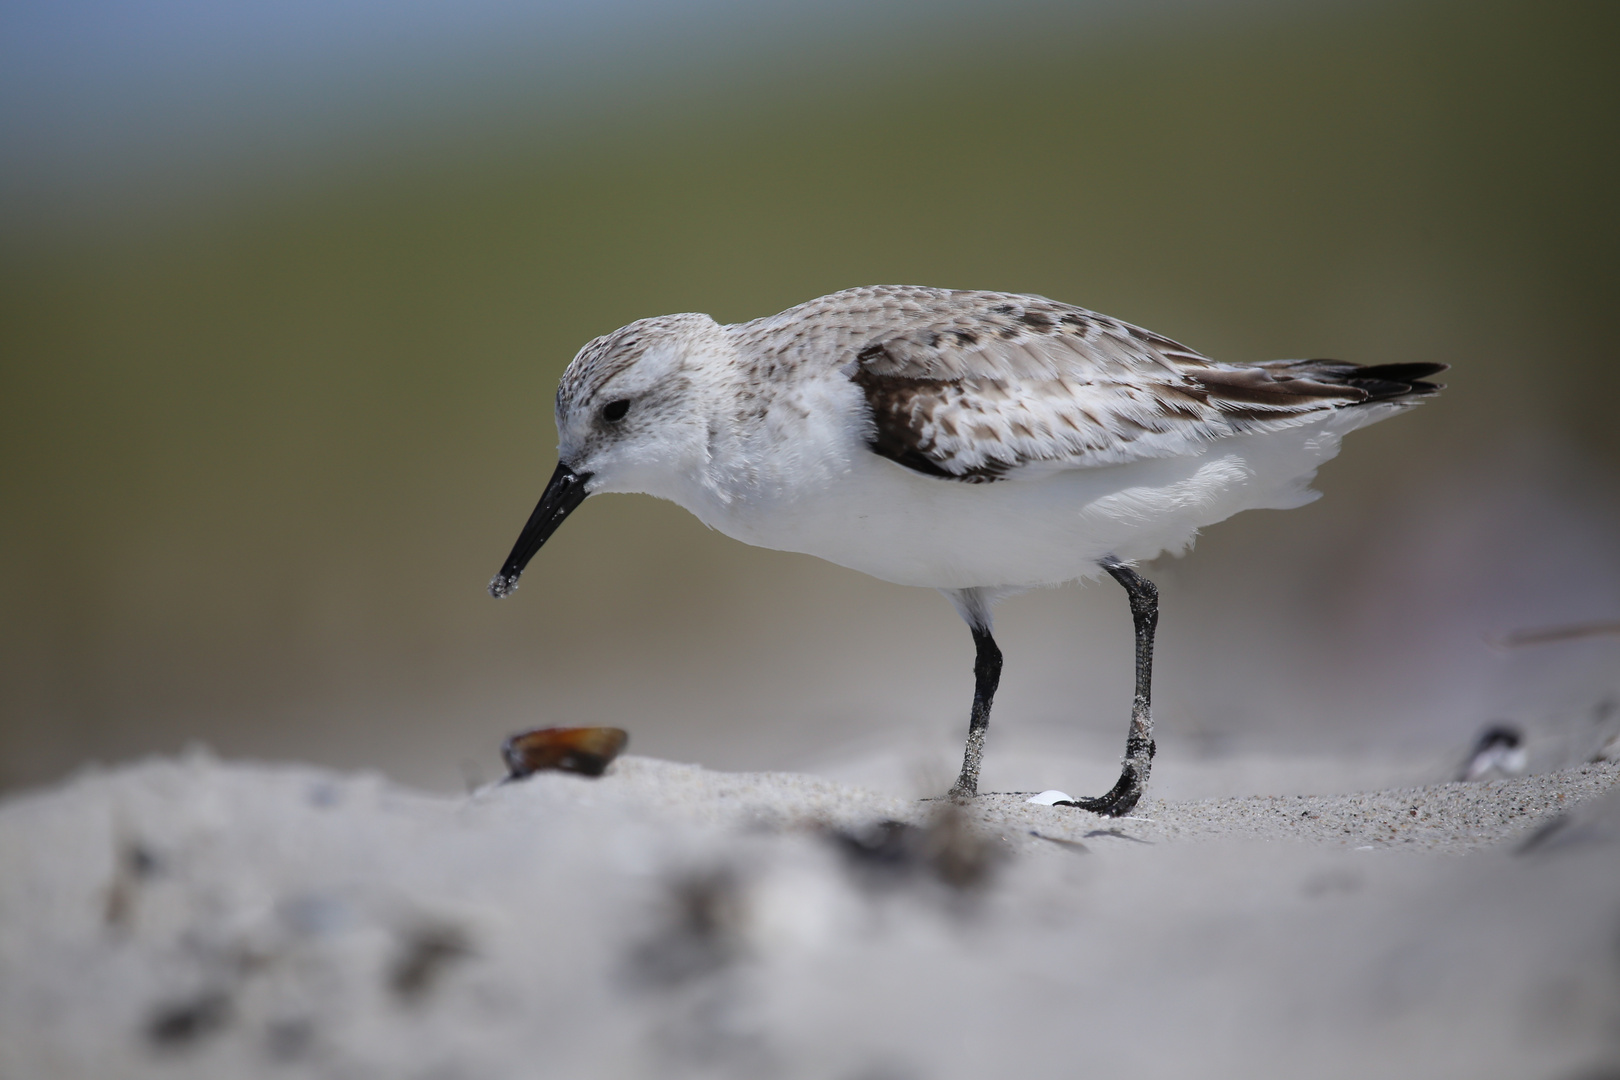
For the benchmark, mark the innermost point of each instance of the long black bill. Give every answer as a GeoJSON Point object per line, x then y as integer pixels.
{"type": "Point", "coordinates": [565, 491]}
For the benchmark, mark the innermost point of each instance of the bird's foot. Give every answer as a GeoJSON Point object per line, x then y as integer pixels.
{"type": "Point", "coordinates": [1120, 800]}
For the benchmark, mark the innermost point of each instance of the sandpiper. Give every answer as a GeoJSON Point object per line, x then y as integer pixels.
{"type": "Point", "coordinates": [977, 443]}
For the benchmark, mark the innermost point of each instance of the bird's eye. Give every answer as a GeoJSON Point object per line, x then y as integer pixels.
{"type": "Point", "coordinates": [614, 411]}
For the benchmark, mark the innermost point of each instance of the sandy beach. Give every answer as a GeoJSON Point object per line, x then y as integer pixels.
{"type": "Point", "coordinates": [205, 918]}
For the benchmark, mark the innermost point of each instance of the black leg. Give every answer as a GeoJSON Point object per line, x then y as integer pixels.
{"type": "Point", "coordinates": [1133, 776]}
{"type": "Point", "coordinates": [986, 677]}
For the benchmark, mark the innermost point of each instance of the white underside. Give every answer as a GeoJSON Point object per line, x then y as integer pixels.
{"type": "Point", "coordinates": [870, 514]}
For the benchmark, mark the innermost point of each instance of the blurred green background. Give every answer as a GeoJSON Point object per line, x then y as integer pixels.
{"type": "Point", "coordinates": [268, 431]}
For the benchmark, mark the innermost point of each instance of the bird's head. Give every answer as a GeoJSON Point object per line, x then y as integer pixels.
{"type": "Point", "coordinates": [629, 418]}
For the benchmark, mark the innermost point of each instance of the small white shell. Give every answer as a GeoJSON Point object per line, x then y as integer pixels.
{"type": "Point", "coordinates": [1051, 797]}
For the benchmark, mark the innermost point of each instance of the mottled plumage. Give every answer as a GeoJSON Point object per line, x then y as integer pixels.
{"type": "Point", "coordinates": [976, 385]}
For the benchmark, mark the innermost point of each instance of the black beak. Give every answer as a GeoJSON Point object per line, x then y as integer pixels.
{"type": "Point", "coordinates": [565, 491]}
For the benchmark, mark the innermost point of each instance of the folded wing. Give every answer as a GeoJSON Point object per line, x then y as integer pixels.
{"type": "Point", "coordinates": [980, 386]}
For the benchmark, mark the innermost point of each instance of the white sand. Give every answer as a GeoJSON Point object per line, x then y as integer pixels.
{"type": "Point", "coordinates": [201, 919]}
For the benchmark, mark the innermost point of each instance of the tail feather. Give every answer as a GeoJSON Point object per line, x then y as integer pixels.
{"type": "Point", "coordinates": [1379, 382]}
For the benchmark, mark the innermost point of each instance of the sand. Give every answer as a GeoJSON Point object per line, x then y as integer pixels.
{"type": "Point", "coordinates": [198, 918]}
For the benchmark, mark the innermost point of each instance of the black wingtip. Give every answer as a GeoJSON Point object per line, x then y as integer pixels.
{"type": "Point", "coordinates": [1385, 381]}
{"type": "Point", "coordinates": [1403, 372]}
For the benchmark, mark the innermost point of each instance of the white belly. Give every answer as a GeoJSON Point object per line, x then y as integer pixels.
{"type": "Point", "coordinates": [873, 515]}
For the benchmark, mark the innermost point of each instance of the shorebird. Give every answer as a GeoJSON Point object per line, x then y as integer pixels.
{"type": "Point", "coordinates": [978, 443]}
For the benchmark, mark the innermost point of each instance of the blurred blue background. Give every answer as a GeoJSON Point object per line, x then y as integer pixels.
{"type": "Point", "coordinates": [287, 289]}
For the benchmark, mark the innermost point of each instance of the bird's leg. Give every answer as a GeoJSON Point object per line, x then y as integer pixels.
{"type": "Point", "coordinates": [1133, 774]}
{"type": "Point", "coordinates": [986, 676]}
